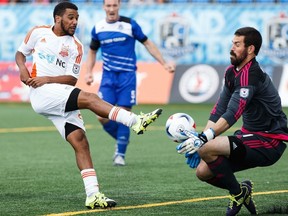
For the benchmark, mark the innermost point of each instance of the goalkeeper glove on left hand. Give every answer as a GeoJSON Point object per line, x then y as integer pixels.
{"type": "Point", "coordinates": [193, 160]}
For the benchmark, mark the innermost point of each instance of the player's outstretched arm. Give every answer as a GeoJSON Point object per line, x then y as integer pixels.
{"type": "Point", "coordinates": [155, 52]}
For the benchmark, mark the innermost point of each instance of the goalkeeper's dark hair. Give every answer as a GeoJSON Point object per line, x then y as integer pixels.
{"type": "Point", "coordinates": [60, 8]}
{"type": "Point", "coordinates": [251, 37]}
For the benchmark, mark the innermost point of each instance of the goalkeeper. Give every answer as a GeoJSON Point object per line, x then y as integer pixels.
{"type": "Point", "coordinates": [250, 93]}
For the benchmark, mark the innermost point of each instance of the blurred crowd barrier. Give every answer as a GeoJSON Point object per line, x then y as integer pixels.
{"type": "Point", "coordinates": [196, 36]}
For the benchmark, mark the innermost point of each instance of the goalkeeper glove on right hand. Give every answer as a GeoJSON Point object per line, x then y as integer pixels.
{"type": "Point", "coordinates": [195, 141]}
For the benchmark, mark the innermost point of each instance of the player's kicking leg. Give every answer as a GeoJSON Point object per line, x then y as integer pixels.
{"type": "Point", "coordinates": [143, 120]}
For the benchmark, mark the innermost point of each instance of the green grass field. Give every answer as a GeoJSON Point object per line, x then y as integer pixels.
{"type": "Point", "coordinates": [39, 174]}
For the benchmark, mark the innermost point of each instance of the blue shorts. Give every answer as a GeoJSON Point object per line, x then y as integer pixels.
{"type": "Point", "coordinates": [118, 88]}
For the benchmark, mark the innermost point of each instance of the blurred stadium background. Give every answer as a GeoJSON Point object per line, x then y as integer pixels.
{"type": "Point", "coordinates": [197, 36]}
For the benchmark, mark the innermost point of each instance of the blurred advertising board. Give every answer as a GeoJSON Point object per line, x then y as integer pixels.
{"type": "Point", "coordinates": [153, 83]}
{"type": "Point", "coordinates": [189, 84]}
{"type": "Point", "coordinates": [202, 83]}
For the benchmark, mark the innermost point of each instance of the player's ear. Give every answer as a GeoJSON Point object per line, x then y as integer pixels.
{"type": "Point", "coordinates": [251, 49]}
{"type": "Point", "coordinates": [57, 19]}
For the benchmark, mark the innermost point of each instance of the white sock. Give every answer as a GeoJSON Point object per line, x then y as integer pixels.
{"type": "Point", "coordinates": [90, 181]}
{"type": "Point", "coordinates": [123, 116]}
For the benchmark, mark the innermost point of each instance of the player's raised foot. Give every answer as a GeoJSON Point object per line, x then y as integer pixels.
{"type": "Point", "coordinates": [98, 200]}
{"type": "Point", "coordinates": [249, 202]}
{"type": "Point", "coordinates": [143, 120]}
{"type": "Point", "coordinates": [236, 201]}
{"type": "Point", "coordinates": [118, 160]}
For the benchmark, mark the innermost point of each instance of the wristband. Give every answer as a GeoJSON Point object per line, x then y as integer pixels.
{"type": "Point", "coordinates": [210, 134]}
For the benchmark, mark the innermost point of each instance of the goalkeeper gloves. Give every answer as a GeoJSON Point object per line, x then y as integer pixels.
{"type": "Point", "coordinates": [193, 160]}
{"type": "Point", "coordinates": [195, 141]}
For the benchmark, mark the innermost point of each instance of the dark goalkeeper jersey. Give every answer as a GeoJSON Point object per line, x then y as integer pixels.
{"type": "Point", "coordinates": [251, 94]}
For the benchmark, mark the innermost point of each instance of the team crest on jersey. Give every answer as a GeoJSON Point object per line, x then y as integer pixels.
{"type": "Point", "coordinates": [120, 27]}
{"type": "Point", "coordinates": [174, 32]}
{"type": "Point", "coordinates": [64, 51]}
{"type": "Point", "coordinates": [244, 92]}
{"type": "Point", "coordinates": [76, 69]}
{"type": "Point", "coordinates": [276, 39]}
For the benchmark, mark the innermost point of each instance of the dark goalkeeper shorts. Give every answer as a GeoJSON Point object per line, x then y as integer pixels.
{"type": "Point", "coordinates": [260, 151]}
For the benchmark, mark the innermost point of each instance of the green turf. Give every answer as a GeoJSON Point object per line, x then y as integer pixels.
{"type": "Point", "coordinates": [39, 174]}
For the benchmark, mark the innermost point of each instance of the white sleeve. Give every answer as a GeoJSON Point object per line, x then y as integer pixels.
{"type": "Point", "coordinates": [27, 46]}
{"type": "Point", "coordinates": [74, 62]}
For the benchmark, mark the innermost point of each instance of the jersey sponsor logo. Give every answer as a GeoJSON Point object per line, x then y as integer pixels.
{"type": "Point", "coordinates": [111, 40]}
{"type": "Point", "coordinates": [244, 92]}
{"type": "Point", "coordinates": [60, 63]}
{"type": "Point", "coordinates": [76, 69]}
{"type": "Point", "coordinates": [49, 58]}
{"type": "Point", "coordinates": [64, 51]}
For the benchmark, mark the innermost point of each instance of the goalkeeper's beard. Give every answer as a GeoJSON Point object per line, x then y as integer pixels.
{"type": "Point", "coordinates": [236, 61]}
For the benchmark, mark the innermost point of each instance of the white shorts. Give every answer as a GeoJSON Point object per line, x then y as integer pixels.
{"type": "Point", "coordinates": [50, 101]}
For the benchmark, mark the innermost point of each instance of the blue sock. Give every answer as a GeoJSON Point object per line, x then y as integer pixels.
{"type": "Point", "coordinates": [111, 128]}
{"type": "Point", "coordinates": [123, 136]}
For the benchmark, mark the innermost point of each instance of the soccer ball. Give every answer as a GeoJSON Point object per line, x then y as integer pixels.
{"type": "Point", "coordinates": [177, 123]}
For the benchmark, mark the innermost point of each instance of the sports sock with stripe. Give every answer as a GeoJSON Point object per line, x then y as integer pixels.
{"type": "Point", "coordinates": [224, 176]}
{"type": "Point", "coordinates": [90, 181]}
{"type": "Point", "coordinates": [122, 116]}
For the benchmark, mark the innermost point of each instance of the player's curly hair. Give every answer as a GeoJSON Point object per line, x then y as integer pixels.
{"type": "Point", "coordinates": [251, 37]}
{"type": "Point", "coordinates": [60, 8]}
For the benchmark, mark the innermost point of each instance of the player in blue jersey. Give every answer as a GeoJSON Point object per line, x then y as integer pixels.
{"type": "Point", "coordinates": [116, 35]}
{"type": "Point", "coordinates": [250, 93]}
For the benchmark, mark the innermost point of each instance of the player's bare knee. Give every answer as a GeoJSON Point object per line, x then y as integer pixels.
{"type": "Point", "coordinates": [237, 149]}
{"type": "Point", "coordinates": [201, 174]}
{"type": "Point", "coordinates": [205, 154]}
{"type": "Point", "coordinates": [85, 100]}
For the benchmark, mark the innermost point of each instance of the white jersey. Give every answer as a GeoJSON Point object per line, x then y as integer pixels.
{"type": "Point", "coordinates": [52, 55]}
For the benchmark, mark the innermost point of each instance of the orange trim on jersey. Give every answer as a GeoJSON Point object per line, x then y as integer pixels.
{"type": "Point", "coordinates": [34, 70]}
{"type": "Point", "coordinates": [79, 48]}
{"type": "Point", "coordinates": [30, 32]}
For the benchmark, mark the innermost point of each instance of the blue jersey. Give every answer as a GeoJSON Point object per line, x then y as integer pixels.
{"type": "Point", "coordinates": [117, 42]}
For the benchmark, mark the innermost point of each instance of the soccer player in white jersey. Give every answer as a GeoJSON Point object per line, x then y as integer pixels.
{"type": "Point", "coordinates": [57, 56]}
{"type": "Point", "coordinates": [116, 35]}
